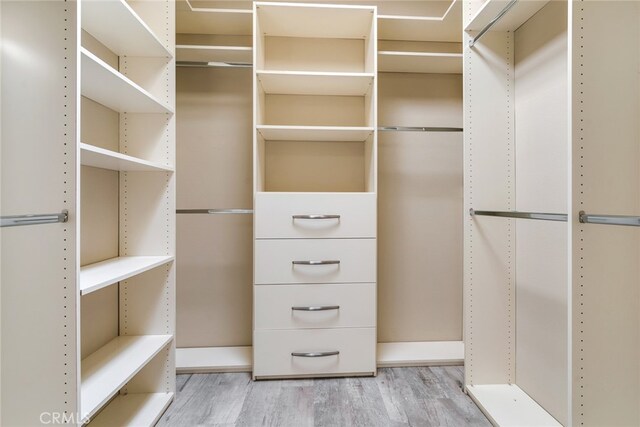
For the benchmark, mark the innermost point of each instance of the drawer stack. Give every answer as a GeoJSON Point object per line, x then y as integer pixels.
{"type": "Point", "coordinates": [315, 158]}
{"type": "Point", "coordinates": [315, 284]}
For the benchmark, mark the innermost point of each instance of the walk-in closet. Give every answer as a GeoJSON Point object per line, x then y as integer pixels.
{"type": "Point", "coordinates": [320, 213]}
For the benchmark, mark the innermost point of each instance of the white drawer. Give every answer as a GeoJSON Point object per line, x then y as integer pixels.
{"type": "Point", "coordinates": [315, 261]}
{"type": "Point", "coordinates": [272, 350]}
{"type": "Point", "coordinates": [314, 306]}
{"type": "Point", "coordinates": [277, 215]}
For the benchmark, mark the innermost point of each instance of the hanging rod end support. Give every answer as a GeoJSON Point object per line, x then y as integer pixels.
{"type": "Point", "coordinates": [64, 215]}
{"type": "Point", "coordinates": [581, 217]}
{"type": "Point", "coordinates": [471, 212]}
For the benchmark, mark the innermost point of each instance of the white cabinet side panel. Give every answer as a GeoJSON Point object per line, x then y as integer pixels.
{"type": "Point", "coordinates": [489, 261]}
{"type": "Point", "coordinates": [606, 299]}
{"type": "Point", "coordinates": [39, 169]}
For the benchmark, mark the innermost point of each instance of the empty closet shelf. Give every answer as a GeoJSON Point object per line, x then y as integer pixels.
{"type": "Point", "coordinates": [135, 409]}
{"type": "Point", "coordinates": [314, 133]}
{"type": "Point", "coordinates": [315, 83]}
{"type": "Point", "coordinates": [132, 37]}
{"type": "Point", "coordinates": [91, 155]}
{"type": "Point", "coordinates": [419, 62]}
{"type": "Point", "coordinates": [493, 14]}
{"type": "Point", "coordinates": [108, 369]}
{"type": "Point", "coordinates": [99, 275]}
{"type": "Point", "coordinates": [221, 54]}
{"type": "Point", "coordinates": [108, 87]}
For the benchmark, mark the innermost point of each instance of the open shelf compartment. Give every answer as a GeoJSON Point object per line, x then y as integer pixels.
{"type": "Point", "coordinates": [107, 370]}
{"type": "Point", "coordinates": [132, 410]}
{"type": "Point", "coordinates": [97, 157]}
{"type": "Point", "coordinates": [101, 274]}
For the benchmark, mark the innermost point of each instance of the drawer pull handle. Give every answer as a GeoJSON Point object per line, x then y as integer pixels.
{"type": "Point", "coordinates": [319, 262]}
{"type": "Point", "coordinates": [316, 354]}
{"type": "Point", "coordinates": [316, 216]}
{"type": "Point", "coordinates": [317, 308]}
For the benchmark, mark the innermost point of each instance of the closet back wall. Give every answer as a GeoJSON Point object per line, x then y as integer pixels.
{"type": "Point", "coordinates": [420, 209]}
{"type": "Point", "coordinates": [214, 170]}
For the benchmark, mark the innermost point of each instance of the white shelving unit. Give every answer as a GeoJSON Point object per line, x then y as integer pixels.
{"type": "Point", "coordinates": [419, 62]}
{"type": "Point", "coordinates": [202, 53]}
{"type": "Point", "coordinates": [108, 87]}
{"type": "Point", "coordinates": [96, 276]}
{"type": "Point", "coordinates": [107, 370]}
{"type": "Point", "coordinates": [314, 133]}
{"type": "Point", "coordinates": [315, 83]}
{"type": "Point", "coordinates": [133, 38]}
{"type": "Point", "coordinates": [97, 157]}
{"type": "Point", "coordinates": [139, 409]}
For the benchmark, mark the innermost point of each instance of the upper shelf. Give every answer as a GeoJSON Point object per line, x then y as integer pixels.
{"type": "Point", "coordinates": [199, 53]}
{"type": "Point", "coordinates": [311, 83]}
{"type": "Point", "coordinates": [511, 21]}
{"type": "Point", "coordinates": [130, 36]}
{"type": "Point", "coordinates": [108, 87]}
{"type": "Point", "coordinates": [419, 62]}
{"type": "Point", "coordinates": [97, 157]}
{"type": "Point", "coordinates": [101, 274]}
{"type": "Point", "coordinates": [314, 20]}
{"type": "Point", "coordinates": [445, 28]}
{"type": "Point", "coordinates": [314, 133]}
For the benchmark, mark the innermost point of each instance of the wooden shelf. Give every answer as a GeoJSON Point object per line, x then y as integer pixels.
{"type": "Point", "coordinates": [419, 62]}
{"type": "Point", "coordinates": [198, 53]}
{"type": "Point", "coordinates": [508, 405]}
{"type": "Point", "coordinates": [132, 36]}
{"type": "Point", "coordinates": [511, 21]}
{"type": "Point", "coordinates": [420, 353]}
{"type": "Point", "coordinates": [214, 359]}
{"type": "Point", "coordinates": [137, 409]}
{"type": "Point", "coordinates": [445, 28]}
{"type": "Point", "coordinates": [314, 133]}
{"type": "Point", "coordinates": [311, 83]}
{"type": "Point", "coordinates": [112, 366]}
{"type": "Point", "coordinates": [101, 274]}
{"type": "Point", "coordinates": [108, 87]}
{"type": "Point", "coordinates": [97, 157]}
{"type": "Point", "coordinates": [314, 20]}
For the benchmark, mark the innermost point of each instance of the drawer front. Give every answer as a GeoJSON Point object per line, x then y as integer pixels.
{"type": "Point", "coordinates": [273, 350]}
{"type": "Point", "coordinates": [293, 216]}
{"type": "Point", "coordinates": [315, 261]}
{"type": "Point", "coordinates": [315, 306]}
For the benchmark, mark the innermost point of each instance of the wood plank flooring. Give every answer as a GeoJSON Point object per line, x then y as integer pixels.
{"type": "Point", "coordinates": [427, 396]}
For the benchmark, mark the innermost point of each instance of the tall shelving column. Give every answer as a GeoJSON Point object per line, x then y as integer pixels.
{"type": "Point", "coordinates": [127, 147]}
{"type": "Point", "coordinates": [315, 182]}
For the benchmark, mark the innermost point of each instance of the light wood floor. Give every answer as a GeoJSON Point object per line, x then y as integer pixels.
{"type": "Point", "coordinates": [396, 397]}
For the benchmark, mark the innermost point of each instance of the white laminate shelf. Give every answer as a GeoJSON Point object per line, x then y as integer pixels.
{"type": "Point", "coordinates": [508, 405]}
{"type": "Point", "coordinates": [315, 83]}
{"type": "Point", "coordinates": [511, 21]}
{"type": "Point", "coordinates": [97, 157]}
{"type": "Point", "coordinates": [419, 62]}
{"type": "Point", "coordinates": [131, 36]}
{"type": "Point", "coordinates": [445, 28]}
{"type": "Point", "coordinates": [214, 20]}
{"type": "Point", "coordinates": [314, 20]}
{"type": "Point", "coordinates": [214, 359]}
{"type": "Point", "coordinates": [133, 410]}
{"type": "Point", "coordinates": [314, 133]}
{"type": "Point", "coordinates": [107, 370]}
{"type": "Point", "coordinates": [101, 274]}
{"type": "Point", "coordinates": [200, 53]}
{"type": "Point", "coordinates": [420, 353]}
{"type": "Point", "coordinates": [108, 87]}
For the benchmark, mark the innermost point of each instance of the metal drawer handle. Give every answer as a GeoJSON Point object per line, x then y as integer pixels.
{"type": "Point", "coordinates": [317, 308]}
{"type": "Point", "coordinates": [316, 354]}
{"type": "Point", "coordinates": [319, 262]}
{"type": "Point", "coordinates": [316, 216]}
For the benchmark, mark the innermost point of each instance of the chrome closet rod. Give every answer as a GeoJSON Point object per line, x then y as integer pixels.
{"type": "Point", "coordinates": [418, 129]}
{"type": "Point", "coordinates": [17, 220]}
{"type": "Point", "coordinates": [524, 215]}
{"type": "Point", "coordinates": [492, 22]}
{"type": "Point", "coordinates": [213, 64]}
{"type": "Point", "coordinates": [215, 211]}
{"type": "Point", "coordinates": [631, 221]}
